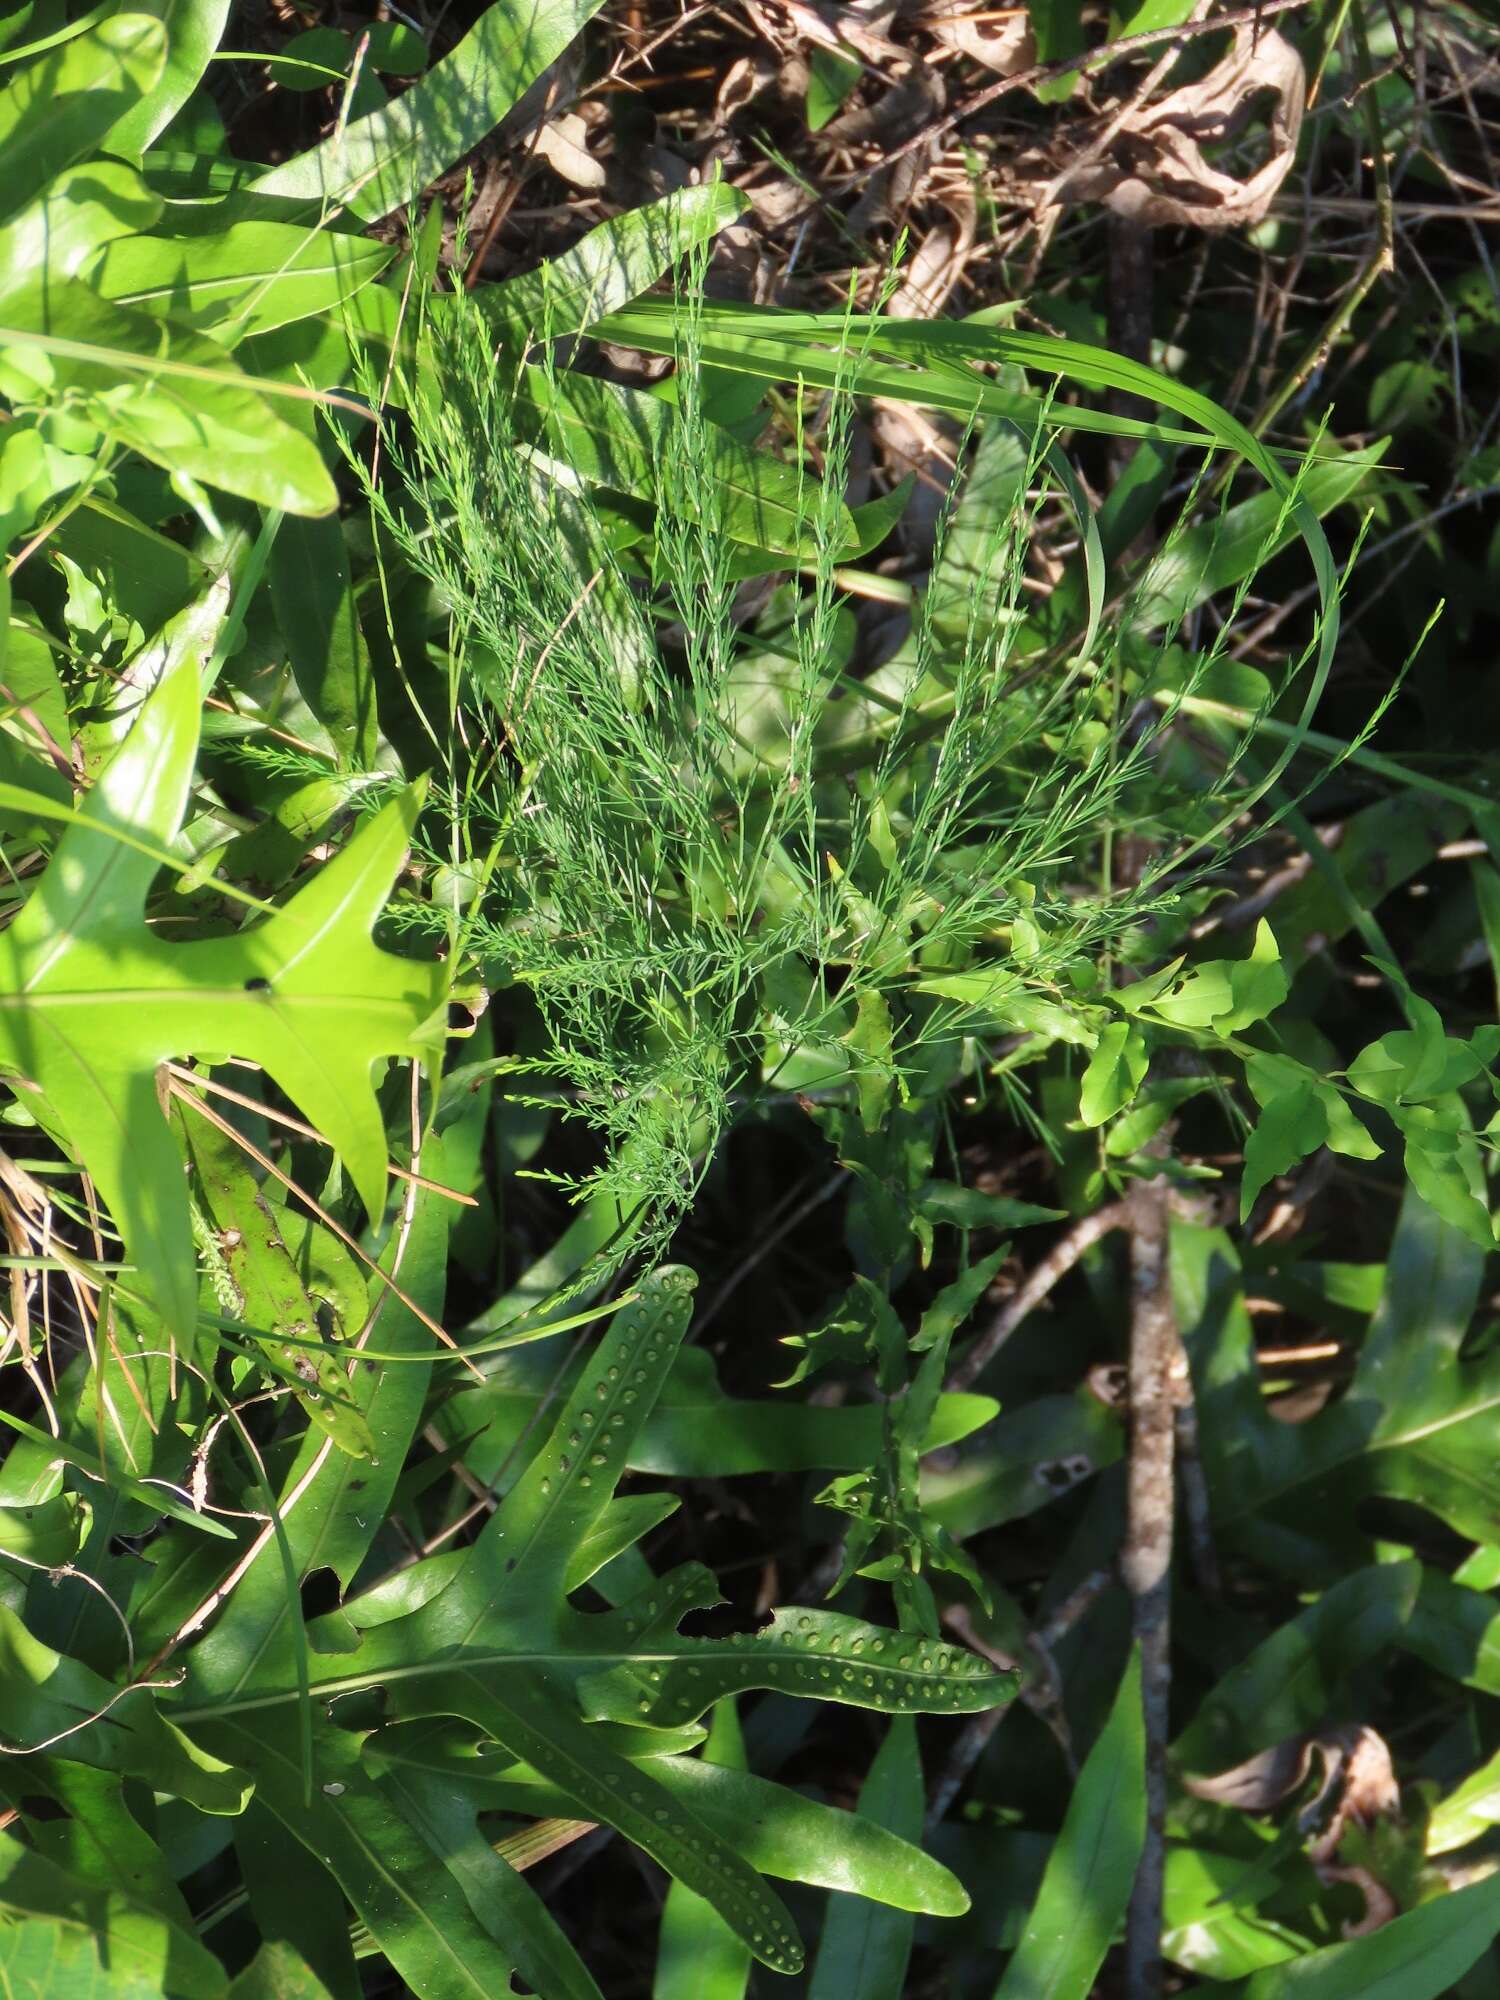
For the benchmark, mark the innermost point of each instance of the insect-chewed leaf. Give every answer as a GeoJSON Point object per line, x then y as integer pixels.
{"type": "Point", "coordinates": [816, 1653]}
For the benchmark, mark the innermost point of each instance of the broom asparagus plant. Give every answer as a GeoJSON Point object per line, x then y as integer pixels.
{"type": "Point", "coordinates": [594, 653]}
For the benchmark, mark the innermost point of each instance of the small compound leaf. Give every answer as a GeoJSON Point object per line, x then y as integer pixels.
{"type": "Point", "coordinates": [1115, 1073]}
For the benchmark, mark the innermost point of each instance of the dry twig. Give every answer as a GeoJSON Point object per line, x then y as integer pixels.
{"type": "Point", "coordinates": [1157, 1369]}
{"type": "Point", "coordinates": [1053, 1268]}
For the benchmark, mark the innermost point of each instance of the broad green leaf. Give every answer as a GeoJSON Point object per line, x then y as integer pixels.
{"type": "Point", "coordinates": [416, 1909]}
{"type": "Point", "coordinates": [627, 1521]}
{"type": "Point", "coordinates": [313, 593]}
{"type": "Point", "coordinates": [1417, 1956]}
{"type": "Point", "coordinates": [296, 1903]}
{"type": "Point", "coordinates": [1468, 1812]}
{"type": "Point", "coordinates": [614, 263]}
{"type": "Point", "coordinates": [1116, 1071]}
{"type": "Point", "coordinates": [253, 1270]}
{"type": "Point", "coordinates": [1025, 1460]}
{"type": "Point", "coordinates": [1226, 995]}
{"type": "Point", "coordinates": [100, 1843]}
{"type": "Point", "coordinates": [1455, 1628]}
{"type": "Point", "coordinates": [698, 1957]}
{"type": "Point", "coordinates": [1408, 1067]}
{"type": "Point", "coordinates": [1291, 1125]}
{"type": "Point", "coordinates": [1292, 1680]}
{"type": "Point", "coordinates": [865, 1947]}
{"type": "Point", "coordinates": [395, 50]}
{"type": "Point", "coordinates": [193, 29]}
{"type": "Point", "coordinates": [312, 60]}
{"type": "Point", "coordinates": [696, 1431]}
{"type": "Point", "coordinates": [1217, 555]}
{"type": "Point", "coordinates": [169, 393]}
{"type": "Point", "coordinates": [150, 576]}
{"type": "Point", "coordinates": [246, 278]}
{"type": "Point", "coordinates": [33, 475]}
{"type": "Point", "coordinates": [41, 1957]}
{"type": "Point", "coordinates": [47, 1533]}
{"type": "Point", "coordinates": [831, 77]}
{"type": "Point", "coordinates": [278, 1973]}
{"type": "Point", "coordinates": [74, 1926]}
{"type": "Point", "coordinates": [505, 1904]}
{"type": "Point", "coordinates": [53, 1701]}
{"type": "Point", "coordinates": [1445, 1166]}
{"type": "Point", "coordinates": [779, 1831]}
{"type": "Point", "coordinates": [971, 1208]}
{"type": "Point", "coordinates": [1208, 1927]}
{"type": "Point", "coordinates": [58, 108]}
{"type": "Point", "coordinates": [1416, 1423]}
{"type": "Point", "coordinates": [869, 1041]}
{"type": "Point", "coordinates": [1092, 1868]}
{"type": "Point", "coordinates": [995, 994]}
{"type": "Point", "coordinates": [91, 1002]}
{"type": "Point", "coordinates": [387, 159]}
{"type": "Point", "coordinates": [523, 1712]}
{"type": "Point", "coordinates": [1273, 1076]}
{"type": "Point", "coordinates": [86, 207]}
{"type": "Point", "coordinates": [786, 1834]}
{"type": "Point", "coordinates": [565, 1491]}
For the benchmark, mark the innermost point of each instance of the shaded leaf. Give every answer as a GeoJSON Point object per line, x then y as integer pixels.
{"type": "Point", "coordinates": [1092, 1868]}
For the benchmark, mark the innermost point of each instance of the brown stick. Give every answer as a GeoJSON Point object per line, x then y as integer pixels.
{"type": "Point", "coordinates": [1053, 1268]}
{"type": "Point", "coordinates": [1156, 1368]}
{"type": "Point", "coordinates": [976, 1733]}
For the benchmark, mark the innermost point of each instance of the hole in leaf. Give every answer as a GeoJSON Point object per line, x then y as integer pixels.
{"type": "Point", "coordinates": [320, 1593]}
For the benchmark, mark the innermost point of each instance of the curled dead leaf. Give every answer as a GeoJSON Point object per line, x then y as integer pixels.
{"type": "Point", "coordinates": [1153, 168]}
{"type": "Point", "coordinates": [1358, 1786]}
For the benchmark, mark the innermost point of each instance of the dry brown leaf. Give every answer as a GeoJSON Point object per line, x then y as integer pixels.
{"type": "Point", "coordinates": [1154, 170]}
{"type": "Point", "coordinates": [929, 279]}
{"type": "Point", "coordinates": [1359, 1785]}
{"type": "Point", "coordinates": [778, 201]}
{"type": "Point", "coordinates": [840, 29]}
{"type": "Point", "coordinates": [743, 83]}
{"type": "Point", "coordinates": [1006, 47]}
{"type": "Point", "coordinates": [900, 114]}
{"type": "Point", "coordinates": [561, 143]}
{"type": "Point", "coordinates": [1261, 1782]}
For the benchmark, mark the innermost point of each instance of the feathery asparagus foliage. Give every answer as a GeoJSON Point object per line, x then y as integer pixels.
{"type": "Point", "coordinates": [643, 808]}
